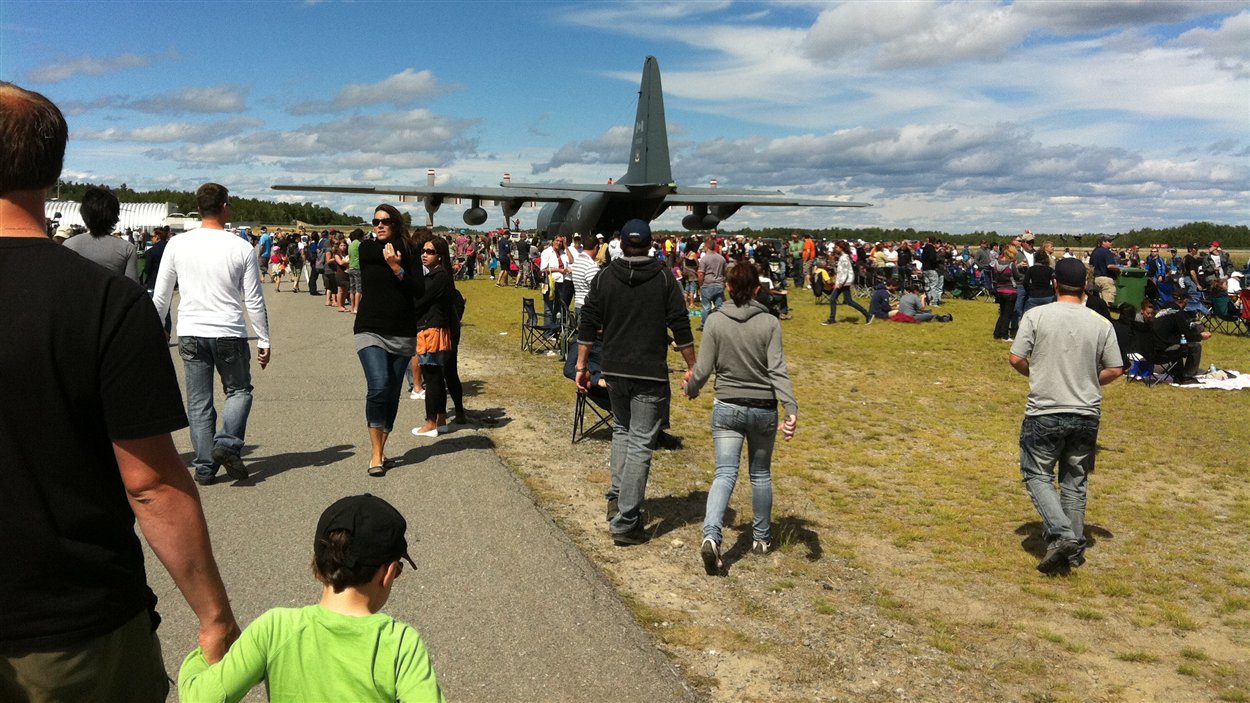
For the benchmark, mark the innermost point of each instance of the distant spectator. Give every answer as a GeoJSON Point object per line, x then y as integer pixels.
{"type": "Point", "coordinates": [1106, 268]}
{"type": "Point", "coordinates": [1178, 335]}
{"type": "Point", "coordinates": [1039, 282]}
{"type": "Point", "coordinates": [100, 212]}
{"type": "Point", "coordinates": [711, 275]}
{"type": "Point", "coordinates": [879, 305]}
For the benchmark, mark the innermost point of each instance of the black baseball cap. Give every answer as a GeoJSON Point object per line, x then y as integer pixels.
{"type": "Point", "coordinates": [376, 527]}
{"type": "Point", "coordinates": [637, 233]}
{"type": "Point", "coordinates": [1071, 273]}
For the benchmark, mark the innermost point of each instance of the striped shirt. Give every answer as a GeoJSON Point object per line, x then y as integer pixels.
{"type": "Point", "coordinates": [584, 271]}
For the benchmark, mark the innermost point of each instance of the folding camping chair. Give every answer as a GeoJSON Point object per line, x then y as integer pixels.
{"type": "Point", "coordinates": [538, 334]}
{"type": "Point", "coordinates": [602, 414]}
{"type": "Point", "coordinates": [1224, 317]}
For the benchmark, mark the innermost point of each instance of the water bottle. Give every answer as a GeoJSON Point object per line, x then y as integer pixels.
{"type": "Point", "coordinates": [1184, 343]}
{"type": "Point", "coordinates": [1212, 369]}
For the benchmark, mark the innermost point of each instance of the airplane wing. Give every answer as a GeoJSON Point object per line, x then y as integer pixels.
{"type": "Point", "coordinates": [777, 200]}
{"type": "Point", "coordinates": [487, 194]}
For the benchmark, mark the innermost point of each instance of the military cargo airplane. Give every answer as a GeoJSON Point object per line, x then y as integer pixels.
{"type": "Point", "coordinates": [644, 192]}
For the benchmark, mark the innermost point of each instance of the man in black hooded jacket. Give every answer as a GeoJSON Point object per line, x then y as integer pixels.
{"type": "Point", "coordinates": [633, 305]}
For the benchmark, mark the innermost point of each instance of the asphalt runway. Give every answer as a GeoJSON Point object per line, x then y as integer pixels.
{"type": "Point", "coordinates": [511, 610]}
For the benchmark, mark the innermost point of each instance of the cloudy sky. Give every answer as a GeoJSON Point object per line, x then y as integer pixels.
{"type": "Point", "coordinates": [1052, 116]}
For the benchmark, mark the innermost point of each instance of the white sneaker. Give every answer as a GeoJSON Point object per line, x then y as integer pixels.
{"type": "Point", "coordinates": [417, 395]}
{"type": "Point", "coordinates": [432, 433]}
{"type": "Point", "coordinates": [710, 552]}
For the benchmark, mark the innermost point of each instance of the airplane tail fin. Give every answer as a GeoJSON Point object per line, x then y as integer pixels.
{"type": "Point", "coordinates": [648, 155]}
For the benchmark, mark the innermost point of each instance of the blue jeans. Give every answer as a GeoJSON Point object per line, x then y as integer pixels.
{"type": "Point", "coordinates": [1066, 439]}
{"type": "Point", "coordinates": [230, 357]}
{"type": "Point", "coordinates": [1022, 297]}
{"type": "Point", "coordinates": [713, 297]}
{"type": "Point", "coordinates": [639, 408]}
{"type": "Point", "coordinates": [1034, 302]}
{"type": "Point", "coordinates": [384, 376]}
{"type": "Point", "coordinates": [731, 424]}
{"type": "Point", "coordinates": [933, 286]}
{"type": "Point", "coordinates": [845, 293]}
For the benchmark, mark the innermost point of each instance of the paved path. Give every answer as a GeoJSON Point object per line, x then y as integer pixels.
{"type": "Point", "coordinates": [511, 609]}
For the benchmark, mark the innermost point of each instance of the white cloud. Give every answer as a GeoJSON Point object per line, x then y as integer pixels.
{"type": "Point", "coordinates": [204, 100]}
{"type": "Point", "coordinates": [400, 90]}
{"type": "Point", "coordinates": [395, 139]}
{"type": "Point", "coordinates": [171, 132]}
{"type": "Point", "coordinates": [914, 34]}
{"type": "Point", "coordinates": [1225, 44]}
{"type": "Point", "coordinates": [1099, 15]}
{"type": "Point", "coordinates": [609, 147]}
{"type": "Point", "coordinates": [66, 68]}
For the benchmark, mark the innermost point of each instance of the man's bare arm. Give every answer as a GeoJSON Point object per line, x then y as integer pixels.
{"type": "Point", "coordinates": [1020, 364]}
{"type": "Point", "coordinates": [167, 506]}
{"type": "Point", "coordinates": [1108, 375]}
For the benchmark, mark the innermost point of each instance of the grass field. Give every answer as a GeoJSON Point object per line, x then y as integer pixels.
{"type": "Point", "coordinates": [907, 540]}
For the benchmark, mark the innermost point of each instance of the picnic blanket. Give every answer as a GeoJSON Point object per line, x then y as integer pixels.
{"type": "Point", "coordinates": [1223, 380]}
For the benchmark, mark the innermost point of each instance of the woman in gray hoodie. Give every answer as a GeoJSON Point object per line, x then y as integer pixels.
{"type": "Point", "coordinates": [742, 345]}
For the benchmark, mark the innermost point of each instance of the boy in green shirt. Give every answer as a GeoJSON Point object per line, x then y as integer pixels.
{"type": "Point", "coordinates": [341, 649]}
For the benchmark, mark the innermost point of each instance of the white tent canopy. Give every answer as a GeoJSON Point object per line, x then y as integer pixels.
{"type": "Point", "coordinates": [136, 216]}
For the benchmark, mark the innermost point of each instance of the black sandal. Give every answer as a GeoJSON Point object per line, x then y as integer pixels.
{"type": "Point", "coordinates": [377, 471]}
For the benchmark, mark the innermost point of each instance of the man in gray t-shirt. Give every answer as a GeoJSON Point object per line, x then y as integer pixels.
{"type": "Point", "coordinates": [711, 274]}
{"type": "Point", "coordinates": [1068, 352]}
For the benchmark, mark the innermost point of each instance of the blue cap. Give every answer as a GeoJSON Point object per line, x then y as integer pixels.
{"type": "Point", "coordinates": [636, 233]}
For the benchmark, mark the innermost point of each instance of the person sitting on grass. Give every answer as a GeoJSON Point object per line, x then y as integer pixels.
{"type": "Point", "coordinates": [879, 306]}
{"type": "Point", "coordinates": [341, 649]}
{"type": "Point", "coordinates": [911, 309]}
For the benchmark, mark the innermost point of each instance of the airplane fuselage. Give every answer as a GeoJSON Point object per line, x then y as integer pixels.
{"type": "Point", "coordinates": [596, 213]}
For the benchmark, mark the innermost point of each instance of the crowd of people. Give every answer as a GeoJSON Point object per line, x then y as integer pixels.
{"type": "Point", "coordinates": [96, 321]}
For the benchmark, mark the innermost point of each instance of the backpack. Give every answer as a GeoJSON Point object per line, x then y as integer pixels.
{"type": "Point", "coordinates": [294, 256]}
{"type": "Point", "coordinates": [457, 304]}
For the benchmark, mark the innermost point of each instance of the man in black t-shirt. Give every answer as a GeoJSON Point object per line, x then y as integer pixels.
{"type": "Point", "coordinates": [86, 410]}
{"type": "Point", "coordinates": [930, 270]}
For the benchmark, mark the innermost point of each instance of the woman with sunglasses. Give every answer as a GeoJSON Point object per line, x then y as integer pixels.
{"type": "Point", "coordinates": [435, 321]}
{"type": "Point", "coordinates": [385, 326]}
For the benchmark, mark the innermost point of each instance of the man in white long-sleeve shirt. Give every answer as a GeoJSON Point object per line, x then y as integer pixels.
{"type": "Point", "coordinates": [219, 281]}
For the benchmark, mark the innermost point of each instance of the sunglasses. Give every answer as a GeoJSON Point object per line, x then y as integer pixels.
{"type": "Point", "coordinates": [388, 221]}
{"type": "Point", "coordinates": [430, 251]}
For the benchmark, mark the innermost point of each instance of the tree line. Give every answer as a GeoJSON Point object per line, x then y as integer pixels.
{"type": "Point", "coordinates": [266, 212]}
{"type": "Point", "coordinates": [242, 209]}
{"type": "Point", "coordinates": [1200, 233]}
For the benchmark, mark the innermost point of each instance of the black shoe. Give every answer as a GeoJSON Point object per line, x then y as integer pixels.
{"type": "Point", "coordinates": [1057, 555]}
{"type": "Point", "coordinates": [205, 480]}
{"type": "Point", "coordinates": [231, 462]}
{"type": "Point", "coordinates": [667, 441]}
{"type": "Point", "coordinates": [638, 535]}
{"type": "Point", "coordinates": [760, 547]}
{"type": "Point", "coordinates": [710, 552]}
{"type": "Point", "coordinates": [829, 322]}
{"type": "Point", "coordinates": [612, 509]}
